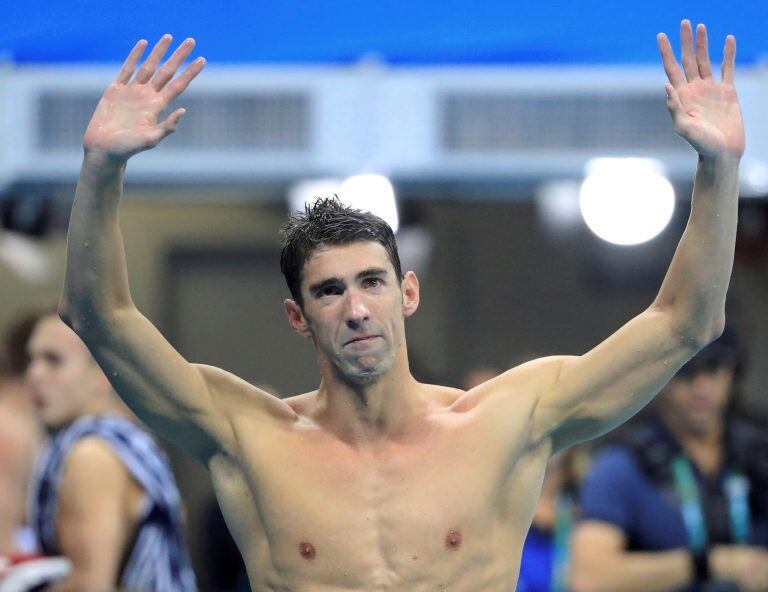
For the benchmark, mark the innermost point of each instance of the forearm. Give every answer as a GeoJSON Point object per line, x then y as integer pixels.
{"type": "Point", "coordinates": [96, 279]}
{"type": "Point", "coordinates": [663, 571]}
{"type": "Point", "coordinates": [697, 280]}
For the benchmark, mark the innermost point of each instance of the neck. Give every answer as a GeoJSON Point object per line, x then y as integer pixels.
{"type": "Point", "coordinates": [702, 443]}
{"type": "Point", "coordinates": [386, 408]}
{"type": "Point", "coordinates": [702, 433]}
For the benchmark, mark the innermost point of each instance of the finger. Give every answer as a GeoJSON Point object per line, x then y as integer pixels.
{"type": "Point", "coordinates": [702, 52]}
{"type": "Point", "coordinates": [689, 59]}
{"type": "Point", "coordinates": [129, 65]}
{"type": "Point", "coordinates": [168, 71]}
{"type": "Point", "coordinates": [675, 106]}
{"type": "Point", "coordinates": [149, 66]}
{"type": "Point", "coordinates": [179, 85]}
{"type": "Point", "coordinates": [671, 67]}
{"type": "Point", "coordinates": [729, 59]}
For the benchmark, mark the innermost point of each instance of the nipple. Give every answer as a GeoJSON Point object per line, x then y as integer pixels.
{"type": "Point", "coordinates": [453, 540]}
{"type": "Point", "coordinates": [307, 551]}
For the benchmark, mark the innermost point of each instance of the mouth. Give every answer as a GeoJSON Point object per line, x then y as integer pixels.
{"type": "Point", "coordinates": [362, 340]}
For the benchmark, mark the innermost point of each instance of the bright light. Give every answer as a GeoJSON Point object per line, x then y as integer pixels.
{"type": "Point", "coordinates": [558, 204]}
{"type": "Point", "coordinates": [626, 201]}
{"type": "Point", "coordinates": [754, 178]}
{"type": "Point", "coordinates": [371, 193]}
{"type": "Point", "coordinates": [307, 191]}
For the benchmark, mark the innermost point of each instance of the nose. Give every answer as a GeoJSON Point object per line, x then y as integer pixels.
{"type": "Point", "coordinates": [33, 372]}
{"type": "Point", "coordinates": [356, 310]}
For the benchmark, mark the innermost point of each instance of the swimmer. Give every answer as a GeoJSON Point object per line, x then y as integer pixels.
{"type": "Point", "coordinates": [103, 495]}
{"type": "Point", "coordinates": [375, 481]}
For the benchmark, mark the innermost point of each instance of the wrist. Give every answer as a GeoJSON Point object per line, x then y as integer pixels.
{"type": "Point", "coordinates": [102, 164]}
{"type": "Point", "coordinates": [724, 159]}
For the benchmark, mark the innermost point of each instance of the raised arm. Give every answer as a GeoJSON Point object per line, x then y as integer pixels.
{"type": "Point", "coordinates": [583, 397]}
{"type": "Point", "coordinates": [182, 401]}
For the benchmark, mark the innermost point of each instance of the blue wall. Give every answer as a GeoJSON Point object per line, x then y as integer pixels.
{"type": "Point", "coordinates": [341, 31]}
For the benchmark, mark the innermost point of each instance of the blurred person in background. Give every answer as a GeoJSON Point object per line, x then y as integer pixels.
{"type": "Point", "coordinates": [20, 441]}
{"type": "Point", "coordinates": [103, 495]}
{"type": "Point", "coordinates": [546, 561]}
{"type": "Point", "coordinates": [686, 487]}
{"type": "Point", "coordinates": [375, 480]}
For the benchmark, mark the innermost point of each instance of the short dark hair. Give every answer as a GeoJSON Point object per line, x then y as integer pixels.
{"type": "Point", "coordinates": [327, 221]}
{"type": "Point", "coordinates": [17, 337]}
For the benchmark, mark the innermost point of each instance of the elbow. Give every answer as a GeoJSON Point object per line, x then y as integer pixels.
{"type": "Point", "coordinates": [697, 335]}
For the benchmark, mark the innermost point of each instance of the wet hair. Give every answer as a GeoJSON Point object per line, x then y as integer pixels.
{"type": "Point", "coordinates": [328, 222]}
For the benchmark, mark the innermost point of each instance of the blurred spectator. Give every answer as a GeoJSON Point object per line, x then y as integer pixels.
{"type": "Point", "coordinates": [682, 502]}
{"type": "Point", "coordinates": [20, 441]}
{"type": "Point", "coordinates": [545, 563]}
{"type": "Point", "coordinates": [102, 495]}
{"type": "Point", "coordinates": [478, 376]}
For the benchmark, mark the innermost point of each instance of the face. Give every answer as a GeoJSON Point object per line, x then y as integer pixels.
{"type": "Point", "coordinates": [699, 400]}
{"type": "Point", "coordinates": [62, 376]}
{"type": "Point", "coordinates": [354, 309]}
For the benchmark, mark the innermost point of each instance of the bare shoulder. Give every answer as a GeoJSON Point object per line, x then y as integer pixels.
{"type": "Point", "coordinates": [520, 385]}
{"type": "Point", "coordinates": [93, 468]}
{"type": "Point", "coordinates": [234, 395]}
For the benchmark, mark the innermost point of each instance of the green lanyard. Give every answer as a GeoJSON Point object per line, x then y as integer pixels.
{"type": "Point", "coordinates": [736, 491]}
{"type": "Point", "coordinates": [561, 565]}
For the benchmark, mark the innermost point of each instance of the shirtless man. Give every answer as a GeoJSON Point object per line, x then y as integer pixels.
{"type": "Point", "coordinates": [375, 481]}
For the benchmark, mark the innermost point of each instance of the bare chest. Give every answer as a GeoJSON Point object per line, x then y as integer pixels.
{"type": "Point", "coordinates": [399, 514]}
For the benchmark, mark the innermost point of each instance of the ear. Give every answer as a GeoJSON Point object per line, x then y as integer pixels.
{"type": "Point", "coordinates": [296, 318]}
{"type": "Point", "coordinates": [410, 289]}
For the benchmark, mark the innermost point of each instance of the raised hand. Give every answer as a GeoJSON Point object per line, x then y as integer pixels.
{"type": "Point", "coordinates": [127, 118]}
{"type": "Point", "coordinates": [705, 112]}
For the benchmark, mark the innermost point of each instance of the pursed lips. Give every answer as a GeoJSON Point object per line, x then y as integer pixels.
{"type": "Point", "coordinates": [361, 338]}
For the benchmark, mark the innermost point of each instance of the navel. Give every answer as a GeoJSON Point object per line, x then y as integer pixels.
{"type": "Point", "coordinates": [307, 551]}
{"type": "Point", "coordinates": [453, 539]}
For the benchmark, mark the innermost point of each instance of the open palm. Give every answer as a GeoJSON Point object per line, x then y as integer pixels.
{"type": "Point", "coordinates": [127, 118]}
{"type": "Point", "coordinates": [705, 112]}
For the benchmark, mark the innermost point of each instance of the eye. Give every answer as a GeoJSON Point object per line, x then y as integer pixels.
{"type": "Point", "coordinates": [373, 282]}
{"type": "Point", "coordinates": [329, 291]}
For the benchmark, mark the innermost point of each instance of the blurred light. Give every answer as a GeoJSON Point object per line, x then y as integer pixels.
{"type": "Point", "coordinates": [370, 193]}
{"type": "Point", "coordinates": [558, 204]}
{"type": "Point", "coordinates": [626, 201]}
{"type": "Point", "coordinates": [754, 178]}
{"type": "Point", "coordinates": [309, 190]}
{"type": "Point", "coordinates": [25, 258]}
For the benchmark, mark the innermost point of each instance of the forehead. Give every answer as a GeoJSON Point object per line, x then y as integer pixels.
{"type": "Point", "coordinates": [345, 261]}
{"type": "Point", "coordinates": [52, 334]}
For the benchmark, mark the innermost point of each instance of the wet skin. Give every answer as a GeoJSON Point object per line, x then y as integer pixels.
{"type": "Point", "coordinates": [446, 506]}
{"type": "Point", "coordinates": [375, 481]}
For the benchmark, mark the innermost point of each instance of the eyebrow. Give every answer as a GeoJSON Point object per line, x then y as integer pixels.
{"type": "Point", "coordinates": [371, 271]}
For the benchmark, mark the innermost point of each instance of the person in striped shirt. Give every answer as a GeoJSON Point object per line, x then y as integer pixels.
{"type": "Point", "coordinates": [103, 494]}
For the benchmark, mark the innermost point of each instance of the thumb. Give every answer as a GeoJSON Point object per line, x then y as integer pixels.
{"type": "Point", "coordinates": [171, 122]}
{"type": "Point", "coordinates": [674, 105]}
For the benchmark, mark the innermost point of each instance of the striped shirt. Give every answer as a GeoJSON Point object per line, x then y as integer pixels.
{"type": "Point", "coordinates": [159, 560]}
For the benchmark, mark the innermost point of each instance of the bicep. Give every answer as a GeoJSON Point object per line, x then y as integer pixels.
{"type": "Point", "coordinates": [171, 395]}
{"type": "Point", "coordinates": [591, 394]}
